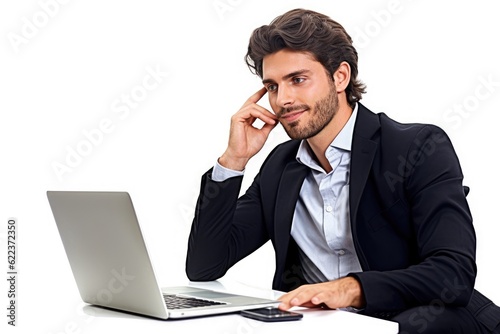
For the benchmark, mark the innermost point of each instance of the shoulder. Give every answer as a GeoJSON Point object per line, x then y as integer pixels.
{"type": "Point", "coordinates": [391, 133]}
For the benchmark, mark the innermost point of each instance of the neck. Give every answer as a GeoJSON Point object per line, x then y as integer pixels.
{"type": "Point", "coordinates": [319, 143]}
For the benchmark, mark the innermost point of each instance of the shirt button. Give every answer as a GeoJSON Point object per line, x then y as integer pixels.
{"type": "Point", "coordinates": [341, 252]}
{"type": "Point", "coordinates": [329, 208]}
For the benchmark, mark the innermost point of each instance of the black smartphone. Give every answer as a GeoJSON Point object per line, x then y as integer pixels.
{"type": "Point", "coordinates": [271, 314]}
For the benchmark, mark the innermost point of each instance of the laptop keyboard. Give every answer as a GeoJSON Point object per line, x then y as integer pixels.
{"type": "Point", "coordinates": [178, 302]}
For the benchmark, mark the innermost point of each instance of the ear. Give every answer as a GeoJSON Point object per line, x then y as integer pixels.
{"type": "Point", "coordinates": [342, 76]}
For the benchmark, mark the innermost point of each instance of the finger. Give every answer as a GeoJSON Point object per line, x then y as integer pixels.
{"type": "Point", "coordinates": [288, 305]}
{"type": "Point", "coordinates": [267, 128]}
{"type": "Point", "coordinates": [257, 112]}
{"type": "Point", "coordinates": [285, 300]}
{"type": "Point", "coordinates": [256, 96]}
{"type": "Point", "coordinates": [284, 306]}
{"type": "Point", "coordinates": [328, 299]}
{"type": "Point", "coordinates": [319, 299]}
{"type": "Point", "coordinates": [299, 297]}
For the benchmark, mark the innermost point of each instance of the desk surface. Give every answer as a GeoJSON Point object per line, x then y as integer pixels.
{"type": "Point", "coordinates": [104, 321]}
{"type": "Point", "coordinates": [90, 319]}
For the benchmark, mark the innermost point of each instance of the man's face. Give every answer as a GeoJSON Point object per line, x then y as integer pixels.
{"type": "Point", "coordinates": [301, 93]}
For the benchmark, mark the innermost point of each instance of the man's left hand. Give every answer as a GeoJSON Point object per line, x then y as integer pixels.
{"type": "Point", "coordinates": [343, 292]}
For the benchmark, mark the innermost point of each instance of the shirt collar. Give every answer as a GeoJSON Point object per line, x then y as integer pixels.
{"type": "Point", "coordinates": [342, 141]}
{"type": "Point", "coordinates": [344, 138]}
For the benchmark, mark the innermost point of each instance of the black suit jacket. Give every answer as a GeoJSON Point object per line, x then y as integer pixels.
{"type": "Point", "coordinates": [410, 221]}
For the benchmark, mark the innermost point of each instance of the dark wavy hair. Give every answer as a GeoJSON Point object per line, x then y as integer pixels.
{"type": "Point", "coordinates": [311, 32]}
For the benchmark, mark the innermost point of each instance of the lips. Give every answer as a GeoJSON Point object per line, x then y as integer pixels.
{"type": "Point", "coordinates": [292, 116]}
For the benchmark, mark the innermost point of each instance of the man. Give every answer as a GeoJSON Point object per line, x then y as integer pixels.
{"type": "Point", "coordinates": [363, 212]}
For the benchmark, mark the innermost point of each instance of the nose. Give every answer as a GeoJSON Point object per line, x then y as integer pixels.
{"type": "Point", "coordinates": [285, 96]}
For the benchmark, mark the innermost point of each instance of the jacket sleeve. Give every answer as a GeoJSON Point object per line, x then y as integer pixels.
{"type": "Point", "coordinates": [444, 269]}
{"type": "Point", "coordinates": [225, 229]}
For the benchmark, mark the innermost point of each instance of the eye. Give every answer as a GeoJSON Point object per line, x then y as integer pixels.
{"type": "Point", "coordinates": [298, 80]}
{"type": "Point", "coordinates": [271, 87]}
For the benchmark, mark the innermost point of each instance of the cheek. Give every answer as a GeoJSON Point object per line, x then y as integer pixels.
{"type": "Point", "coordinates": [274, 106]}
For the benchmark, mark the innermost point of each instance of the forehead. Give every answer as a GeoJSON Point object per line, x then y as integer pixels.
{"type": "Point", "coordinates": [283, 62]}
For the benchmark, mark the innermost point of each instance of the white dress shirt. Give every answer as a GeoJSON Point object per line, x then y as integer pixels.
{"type": "Point", "coordinates": [321, 223]}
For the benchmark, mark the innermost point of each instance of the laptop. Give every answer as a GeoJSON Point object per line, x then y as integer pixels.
{"type": "Point", "coordinates": [110, 262]}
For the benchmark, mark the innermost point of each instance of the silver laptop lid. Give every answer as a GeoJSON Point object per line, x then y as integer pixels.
{"type": "Point", "coordinates": [106, 251]}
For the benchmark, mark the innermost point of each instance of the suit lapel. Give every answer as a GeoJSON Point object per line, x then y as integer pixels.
{"type": "Point", "coordinates": [288, 192]}
{"type": "Point", "coordinates": [362, 155]}
{"type": "Point", "coordinates": [361, 163]}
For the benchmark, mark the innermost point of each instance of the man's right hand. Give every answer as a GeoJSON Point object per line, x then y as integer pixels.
{"type": "Point", "coordinates": [245, 140]}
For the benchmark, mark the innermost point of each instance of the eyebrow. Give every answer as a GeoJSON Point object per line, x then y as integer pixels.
{"type": "Point", "coordinates": [287, 76]}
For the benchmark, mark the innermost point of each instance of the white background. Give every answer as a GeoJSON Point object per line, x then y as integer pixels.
{"type": "Point", "coordinates": [66, 67]}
